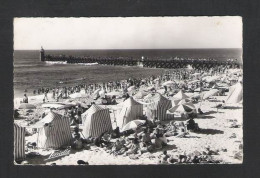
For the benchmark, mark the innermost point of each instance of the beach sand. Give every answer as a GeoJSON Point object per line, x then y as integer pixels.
{"type": "Point", "coordinates": [216, 133]}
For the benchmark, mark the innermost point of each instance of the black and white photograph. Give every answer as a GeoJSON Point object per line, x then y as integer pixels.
{"type": "Point", "coordinates": [128, 90]}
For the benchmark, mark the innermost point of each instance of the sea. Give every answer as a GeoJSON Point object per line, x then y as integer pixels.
{"type": "Point", "coordinates": [30, 73]}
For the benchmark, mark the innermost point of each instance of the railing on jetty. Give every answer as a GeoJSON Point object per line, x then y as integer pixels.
{"type": "Point", "coordinates": [151, 63]}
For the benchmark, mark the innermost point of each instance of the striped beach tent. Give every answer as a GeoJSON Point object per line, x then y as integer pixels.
{"type": "Point", "coordinates": [131, 110]}
{"type": "Point", "coordinates": [96, 120]}
{"type": "Point", "coordinates": [19, 142]}
{"type": "Point", "coordinates": [53, 131]}
{"type": "Point", "coordinates": [157, 107]}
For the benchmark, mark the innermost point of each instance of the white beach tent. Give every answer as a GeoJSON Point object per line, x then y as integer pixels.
{"type": "Point", "coordinates": [96, 120]}
{"type": "Point", "coordinates": [131, 110]}
{"type": "Point", "coordinates": [180, 95]}
{"type": "Point", "coordinates": [157, 105]}
{"type": "Point", "coordinates": [54, 131]}
{"type": "Point", "coordinates": [235, 93]}
{"type": "Point", "coordinates": [19, 142]}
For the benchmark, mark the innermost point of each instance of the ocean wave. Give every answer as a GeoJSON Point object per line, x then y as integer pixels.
{"type": "Point", "coordinates": [60, 62]}
{"type": "Point", "coordinates": [55, 62]}
{"type": "Point", "coordinates": [87, 64]}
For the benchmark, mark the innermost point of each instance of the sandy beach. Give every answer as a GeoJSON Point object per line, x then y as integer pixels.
{"type": "Point", "coordinates": [215, 134]}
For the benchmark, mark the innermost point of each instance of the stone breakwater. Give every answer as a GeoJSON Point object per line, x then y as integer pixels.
{"type": "Point", "coordinates": [173, 63]}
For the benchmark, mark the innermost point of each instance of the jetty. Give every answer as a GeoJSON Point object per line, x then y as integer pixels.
{"type": "Point", "coordinates": [174, 63]}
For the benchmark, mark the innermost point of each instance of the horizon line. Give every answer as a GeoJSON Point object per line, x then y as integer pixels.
{"type": "Point", "coordinates": [123, 49]}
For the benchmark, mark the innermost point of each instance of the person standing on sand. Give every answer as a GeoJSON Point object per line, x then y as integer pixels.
{"type": "Point", "coordinates": [53, 93]}
{"type": "Point", "coordinates": [45, 96]}
{"type": "Point", "coordinates": [25, 99]}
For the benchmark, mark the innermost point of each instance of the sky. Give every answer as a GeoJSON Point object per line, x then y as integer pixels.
{"type": "Point", "coordinates": [127, 33]}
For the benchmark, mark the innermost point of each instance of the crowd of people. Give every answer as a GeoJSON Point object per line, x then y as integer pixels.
{"type": "Point", "coordinates": [183, 76]}
{"type": "Point", "coordinates": [149, 137]}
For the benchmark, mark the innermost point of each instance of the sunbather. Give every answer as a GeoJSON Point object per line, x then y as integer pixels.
{"type": "Point", "coordinates": [164, 158]}
{"type": "Point", "coordinates": [133, 148]}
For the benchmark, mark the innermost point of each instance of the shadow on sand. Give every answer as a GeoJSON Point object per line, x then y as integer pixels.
{"type": "Point", "coordinates": [165, 148]}
{"type": "Point", "coordinates": [232, 107]}
{"type": "Point", "coordinates": [191, 136]}
{"type": "Point", "coordinates": [215, 100]}
{"type": "Point", "coordinates": [211, 112]}
{"type": "Point", "coordinates": [204, 117]}
{"type": "Point", "coordinates": [209, 131]}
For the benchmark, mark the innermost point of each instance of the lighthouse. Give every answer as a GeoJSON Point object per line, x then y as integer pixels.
{"type": "Point", "coordinates": [42, 57]}
{"type": "Point", "coordinates": [140, 62]}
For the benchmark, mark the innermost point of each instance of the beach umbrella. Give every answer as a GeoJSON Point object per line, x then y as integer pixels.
{"type": "Point", "coordinates": [161, 91]}
{"type": "Point", "coordinates": [66, 106]}
{"type": "Point", "coordinates": [215, 86]}
{"type": "Point", "coordinates": [210, 93]}
{"type": "Point", "coordinates": [27, 106]}
{"type": "Point", "coordinates": [150, 88]}
{"type": "Point", "coordinates": [212, 79]}
{"type": "Point", "coordinates": [83, 91]}
{"type": "Point", "coordinates": [30, 111]}
{"type": "Point", "coordinates": [196, 96]}
{"type": "Point", "coordinates": [113, 93]}
{"type": "Point", "coordinates": [196, 74]}
{"type": "Point", "coordinates": [77, 95]}
{"type": "Point", "coordinates": [133, 125]}
{"type": "Point", "coordinates": [168, 83]}
{"type": "Point", "coordinates": [83, 105]}
{"type": "Point", "coordinates": [140, 94]}
{"type": "Point", "coordinates": [181, 108]}
{"type": "Point", "coordinates": [52, 105]}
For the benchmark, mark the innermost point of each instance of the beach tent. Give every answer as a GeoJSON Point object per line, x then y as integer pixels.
{"type": "Point", "coordinates": [19, 142]}
{"type": "Point", "coordinates": [131, 110]}
{"type": "Point", "coordinates": [235, 93]}
{"type": "Point", "coordinates": [157, 105]}
{"type": "Point", "coordinates": [180, 95]}
{"type": "Point", "coordinates": [54, 131]}
{"type": "Point", "coordinates": [182, 108]}
{"type": "Point", "coordinates": [96, 120]}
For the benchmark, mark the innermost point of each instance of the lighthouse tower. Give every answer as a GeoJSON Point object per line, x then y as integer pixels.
{"type": "Point", "coordinates": [42, 57]}
{"type": "Point", "coordinates": [140, 62]}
